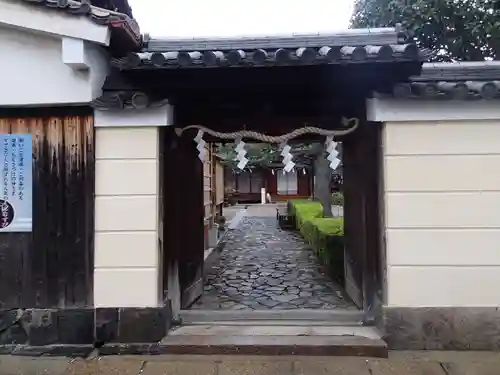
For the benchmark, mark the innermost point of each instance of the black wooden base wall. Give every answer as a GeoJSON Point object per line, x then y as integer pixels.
{"type": "Point", "coordinates": [83, 326]}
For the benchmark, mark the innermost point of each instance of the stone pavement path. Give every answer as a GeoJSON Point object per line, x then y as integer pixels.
{"type": "Point", "coordinates": [398, 363]}
{"type": "Point", "coordinates": [263, 267]}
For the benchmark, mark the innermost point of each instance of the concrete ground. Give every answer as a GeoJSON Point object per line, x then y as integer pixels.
{"type": "Point", "coordinates": [268, 210]}
{"type": "Point", "coordinates": [231, 211]}
{"type": "Point", "coordinates": [399, 363]}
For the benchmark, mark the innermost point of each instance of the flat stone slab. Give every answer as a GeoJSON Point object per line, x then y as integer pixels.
{"type": "Point", "coordinates": [263, 267]}
{"type": "Point", "coordinates": [179, 368]}
{"type": "Point", "coordinates": [280, 330]}
{"type": "Point", "coordinates": [13, 365]}
{"type": "Point", "coordinates": [399, 362]}
{"type": "Point", "coordinates": [276, 345]}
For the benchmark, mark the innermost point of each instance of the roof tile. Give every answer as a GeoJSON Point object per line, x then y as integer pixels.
{"type": "Point", "coordinates": [98, 15]}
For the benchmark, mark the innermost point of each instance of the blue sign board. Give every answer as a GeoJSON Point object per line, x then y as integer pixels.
{"type": "Point", "coordinates": [16, 183]}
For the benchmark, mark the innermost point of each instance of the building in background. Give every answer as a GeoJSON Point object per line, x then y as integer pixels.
{"type": "Point", "coordinates": [245, 186]}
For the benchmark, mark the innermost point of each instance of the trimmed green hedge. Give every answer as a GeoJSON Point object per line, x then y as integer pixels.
{"type": "Point", "coordinates": [304, 210]}
{"type": "Point", "coordinates": [325, 235]}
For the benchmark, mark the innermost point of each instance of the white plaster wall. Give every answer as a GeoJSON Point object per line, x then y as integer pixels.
{"type": "Point", "coordinates": [442, 213]}
{"type": "Point", "coordinates": [98, 60]}
{"type": "Point", "coordinates": [126, 217]}
{"type": "Point", "coordinates": [32, 69]}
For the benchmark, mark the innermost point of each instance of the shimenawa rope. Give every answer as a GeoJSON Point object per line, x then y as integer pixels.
{"type": "Point", "coordinates": [351, 124]}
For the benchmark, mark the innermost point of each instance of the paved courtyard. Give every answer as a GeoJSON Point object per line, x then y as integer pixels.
{"type": "Point", "coordinates": [263, 267]}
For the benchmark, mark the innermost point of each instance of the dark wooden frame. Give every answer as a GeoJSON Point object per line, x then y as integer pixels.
{"type": "Point", "coordinates": [289, 104]}
{"type": "Point", "coordinates": [362, 219]}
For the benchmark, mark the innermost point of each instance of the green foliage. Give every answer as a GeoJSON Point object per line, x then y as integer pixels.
{"type": "Point", "coordinates": [304, 210]}
{"type": "Point", "coordinates": [330, 226]}
{"type": "Point", "coordinates": [450, 29]}
{"type": "Point", "coordinates": [263, 154]}
{"type": "Point", "coordinates": [325, 235]}
{"type": "Point", "coordinates": [257, 154]}
{"type": "Point", "coordinates": [338, 198]}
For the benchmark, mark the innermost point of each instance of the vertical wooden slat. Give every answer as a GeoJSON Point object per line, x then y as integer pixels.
{"type": "Point", "coordinates": [88, 176]}
{"type": "Point", "coordinates": [41, 228]}
{"type": "Point", "coordinates": [219, 184]}
{"type": "Point", "coordinates": [4, 126]}
{"type": "Point", "coordinates": [73, 200]}
{"type": "Point", "coordinates": [55, 205]}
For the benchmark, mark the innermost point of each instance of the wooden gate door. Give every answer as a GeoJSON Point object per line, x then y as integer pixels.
{"type": "Point", "coordinates": [361, 214]}
{"type": "Point", "coordinates": [184, 216]}
{"type": "Point", "coordinates": [353, 219]}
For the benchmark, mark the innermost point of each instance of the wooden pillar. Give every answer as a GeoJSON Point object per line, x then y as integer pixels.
{"type": "Point", "coordinates": [361, 213]}
{"type": "Point", "coordinates": [171, 223]}
{"type": "Point", "coordinates": [184, 214]}
{"type": "Point", "coordinates": [192, 241]}
{"type": "Point", "coordinates": [372, 159]}
{"type": "Point", "coordinates": [353, 218]}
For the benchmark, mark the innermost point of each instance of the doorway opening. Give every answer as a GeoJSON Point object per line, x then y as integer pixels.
{"type": "Point", "coordinates": [260, 266]}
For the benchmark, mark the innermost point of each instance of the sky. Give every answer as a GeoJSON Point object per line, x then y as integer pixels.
{"type": "Point", "coordinates": [195, 18]}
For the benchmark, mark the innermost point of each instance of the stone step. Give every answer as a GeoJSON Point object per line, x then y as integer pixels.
{"type": "Point", "coordinates": [334, 317]}
{"type": "Point", "coordinates": [276, 340]}
{"type": "Point", "coordinates": [276, 330]}
{"type": "Point", "coordinates": [266, 323]}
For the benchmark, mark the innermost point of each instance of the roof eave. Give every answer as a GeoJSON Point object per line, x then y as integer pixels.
{"type": "Point", "coordinates": [299, 55]}
{"type": "Point", "coordinates": [353, 37]}
{"type": "Point", "coordinates": [19, 15]}
{"type": "Point", "coordinates": [96, 24]}
{"type": "Point", "coordinates": [470, 80]}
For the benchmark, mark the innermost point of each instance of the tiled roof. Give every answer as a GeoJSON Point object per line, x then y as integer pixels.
{"type": "Point", "coordinates": [100, 16]}
{"type": "Point", "coordinates": [459, 80]}
{"type": "Point", "coordinates": [125, 99]}
{"type": "Point", "coordinates": [375, 36]}
{"type": "Point", "coordinates": [356, 45]}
